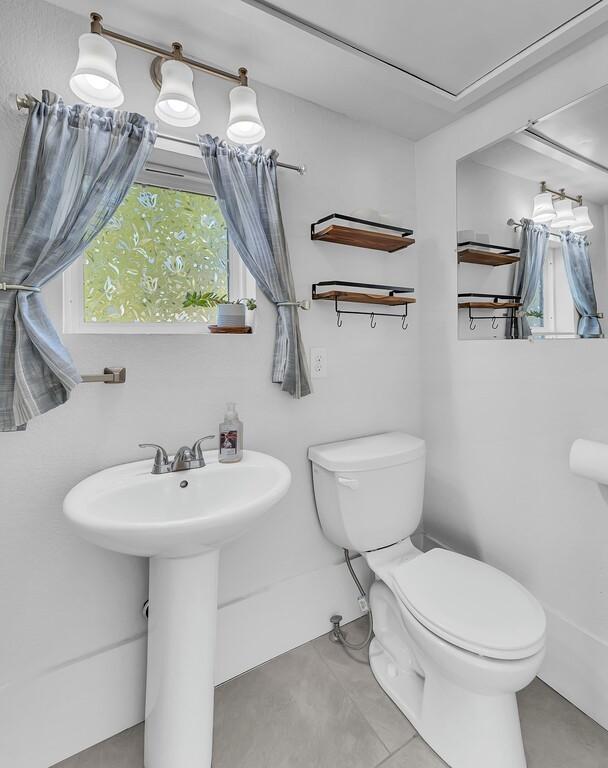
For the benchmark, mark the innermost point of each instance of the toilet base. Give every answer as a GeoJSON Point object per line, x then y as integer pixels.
{"type": "Point", "coordinates": [466, 728]}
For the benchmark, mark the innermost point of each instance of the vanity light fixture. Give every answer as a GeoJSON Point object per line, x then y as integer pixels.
{"type": "Point", "coordinates": [95, 81]}
{"type": "Point", "coordinates": [554, 208]}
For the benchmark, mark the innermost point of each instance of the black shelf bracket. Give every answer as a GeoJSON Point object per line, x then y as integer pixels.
{"type": "Point", "coordinates": [401, 230]}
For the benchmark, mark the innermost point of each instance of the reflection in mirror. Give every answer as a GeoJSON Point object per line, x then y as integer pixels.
{"type": "Point", "coordinates": [532, 250]}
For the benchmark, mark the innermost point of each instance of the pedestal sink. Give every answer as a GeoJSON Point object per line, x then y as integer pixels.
{"type": "Point", "coordinates": [179, 520]}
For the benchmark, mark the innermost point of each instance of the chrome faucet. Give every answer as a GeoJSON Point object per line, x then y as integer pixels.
{"type": "Point", "coordinates": [185, 457]}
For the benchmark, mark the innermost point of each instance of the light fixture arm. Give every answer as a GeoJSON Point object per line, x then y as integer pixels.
{"type": "Point", "coordinates": [560, 193]}
{"type": "Point", "coordinates": [97, 28]}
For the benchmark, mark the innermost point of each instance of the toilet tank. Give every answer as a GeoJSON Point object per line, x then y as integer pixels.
{"type": "Point", "coordinates": [369, 490]}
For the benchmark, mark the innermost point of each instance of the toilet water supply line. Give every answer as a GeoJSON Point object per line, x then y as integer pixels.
{"type": "Point", "coordinates": [336, 633]}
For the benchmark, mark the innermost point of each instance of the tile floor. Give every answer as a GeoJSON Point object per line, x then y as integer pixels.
{"type": "Point", "coordinates": [318, 706]}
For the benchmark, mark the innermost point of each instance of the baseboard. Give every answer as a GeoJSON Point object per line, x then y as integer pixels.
{"type": "Point", "coordinates": [576, 666]}
{"type": "Point", "coordinates": [56, 714]}
{"type": "Point", "coordinates": [290, 613]}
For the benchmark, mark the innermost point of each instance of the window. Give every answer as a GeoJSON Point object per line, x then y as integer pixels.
{"type": "Point", "coordinates": [168, 237]}
{"type": "Point", "coordinates": [553, 312]}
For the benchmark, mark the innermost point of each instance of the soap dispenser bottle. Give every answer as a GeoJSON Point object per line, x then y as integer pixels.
{"type": "Point", "coordinates": [231, 436]}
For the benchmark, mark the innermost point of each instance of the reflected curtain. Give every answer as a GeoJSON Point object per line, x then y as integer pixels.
{"type": "Point", "coordinates": [528, 275]}
{"type": "Point", "coordinates": [575, 250]}
{"type": "Point", "coordinates": [75, 167]}
{"type": "Point", "coordinates": [245, 183]}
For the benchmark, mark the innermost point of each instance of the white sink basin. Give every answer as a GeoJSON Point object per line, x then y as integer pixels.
{"type": "Point", "coordinates": [127, 509]}
{"type": "Point", "coordinates": [179, 520]}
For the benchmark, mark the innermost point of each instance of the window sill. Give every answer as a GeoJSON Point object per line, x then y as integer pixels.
{"type": "Point", "coordinates": [148, 329]}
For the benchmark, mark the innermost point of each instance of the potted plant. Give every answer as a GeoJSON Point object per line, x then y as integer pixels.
{"type": "Point", "coordinates": [230, 314]}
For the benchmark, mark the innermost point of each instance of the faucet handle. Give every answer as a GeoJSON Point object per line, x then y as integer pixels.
{"type": "Point", "coordinates": [196, 448]}
{"type": "Point", "coordinates": [161, 459]}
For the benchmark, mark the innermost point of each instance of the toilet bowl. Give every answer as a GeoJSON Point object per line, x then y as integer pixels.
{"type": "Point", "coordinates": [454, 638]}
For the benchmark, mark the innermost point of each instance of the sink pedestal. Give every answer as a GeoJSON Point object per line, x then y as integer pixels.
{"type": "Point", "coordinates": [181, 652]}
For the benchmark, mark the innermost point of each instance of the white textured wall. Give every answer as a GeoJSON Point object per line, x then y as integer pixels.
{"type": "Point", "coordinates": [61, 598]}
{"type": "Point", "coordinates": [499, 417]}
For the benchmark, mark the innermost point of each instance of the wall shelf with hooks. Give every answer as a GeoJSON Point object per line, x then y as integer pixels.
{"type": "Point", "coordinates": [391, 296]}
{"type": "Point", "coordinates": [489, 255]}
{"type": "Point", "coordinates": [482, 301]}
{"type": "Point", "coordinates": [384, 237]}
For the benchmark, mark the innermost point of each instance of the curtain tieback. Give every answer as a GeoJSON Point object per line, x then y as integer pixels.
{"type": "Point", "coordinates": [9, 287]}
{"type": "Point", "coordinates": [303, 304]}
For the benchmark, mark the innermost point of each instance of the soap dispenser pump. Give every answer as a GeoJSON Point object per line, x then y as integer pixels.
{"type": "Point", "coordinates": [231, 436]}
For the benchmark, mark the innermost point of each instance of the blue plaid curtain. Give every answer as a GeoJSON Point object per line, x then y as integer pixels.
{"type": "Point", "coordinates": [76, 165]}
{"type": "Point", "coordinates": [245, 183]}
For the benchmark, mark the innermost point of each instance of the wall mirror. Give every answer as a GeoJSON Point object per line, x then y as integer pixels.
{"type": "Point", "coordinates": [532, 226]}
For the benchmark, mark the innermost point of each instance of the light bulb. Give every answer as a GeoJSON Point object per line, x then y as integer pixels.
{"type": "Point", "coordinates": [95, 79]}
{"type": "Point", "coordinates": [543, 211]}
{"type": "Point", "coordinates": [582, 221]}
{"type": "Point", "coordinates": [244, 124]}
{"type": "Point", "coordinates": [176, 104]}
{"type": "Point", "coordinates": [565, 217]}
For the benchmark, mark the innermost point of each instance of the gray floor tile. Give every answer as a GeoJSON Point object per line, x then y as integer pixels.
{"type": "Point", "coordinates": [415, 754]}
{"type": "Point", "coordinates": [557, 734]}
{"type": "Point", "coordinates": [125, 750]}
{"type": "Point", "coordinates": [291, 713]}
{"type": "Point", "coordinates": [352, 670]}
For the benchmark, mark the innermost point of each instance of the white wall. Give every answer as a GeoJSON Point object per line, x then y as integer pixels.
{"type": "Point", "coordinates": [486, 197]}
{"type": "Point", "coordinates": [70, 610]}
{"type": "Point", "coordinates": [499, 418]}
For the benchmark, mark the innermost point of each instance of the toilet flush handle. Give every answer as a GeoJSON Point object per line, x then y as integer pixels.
{"type": "Point", "coordinates": [349, 482]}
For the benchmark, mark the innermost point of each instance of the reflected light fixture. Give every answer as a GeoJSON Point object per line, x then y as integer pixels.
{"type": "Point", "coordinates": [564, 218]}
{"type": "Point", "coordinates": [543, 212]}
{"type": "Point", "coordinates": [95, 81]}
{"type": "Point", "coordinates": [582, 221]}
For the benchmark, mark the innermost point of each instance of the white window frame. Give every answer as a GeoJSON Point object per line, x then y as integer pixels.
{"type": "Point", "coordinates": [560, 317]}
{"type": "Point", "coordinates": [174, 176]}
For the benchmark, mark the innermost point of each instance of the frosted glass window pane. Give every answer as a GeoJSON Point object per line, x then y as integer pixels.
{"type": "Point", "coordinates": [160, 244]}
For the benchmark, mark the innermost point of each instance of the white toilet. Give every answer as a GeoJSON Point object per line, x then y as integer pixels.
{"type": "Point", "coordinates": [454, 637]}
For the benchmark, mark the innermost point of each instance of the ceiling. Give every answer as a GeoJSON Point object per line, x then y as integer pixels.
{"type": "Point", "coordinates": [410, 67]}
{"type": "Point", "coordinates": [580, 127]}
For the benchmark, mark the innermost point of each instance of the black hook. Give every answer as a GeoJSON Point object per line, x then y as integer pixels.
{"type": "Point", "coordinates": [472, 325]}
{"type": "Point", "coordinates": [339, 322]}
{"type": "Point", "coordinates": [494, 323]}
{"type": "Point", "coordinates": [404, 325]}
{"type": "Point", "coordinates": [372, 320]}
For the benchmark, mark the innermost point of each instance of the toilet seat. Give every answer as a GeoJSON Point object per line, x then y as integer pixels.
{"type": "Point", "coordinates": [470, 604]}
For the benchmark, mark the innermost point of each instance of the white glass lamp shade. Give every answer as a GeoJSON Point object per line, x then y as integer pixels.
{"type": "Point", "coordinates": [176, 104]}
{"type": "Point", "coordinates": [564, 218]}
{"type": "Point", "coordinates": [244, 124]}
{"type": "Point", "coordinates": [582, 221]}
{"type": "Point", "coordinates": [95, 80]}
{"type": "Point", "coordinates": [543, 212]}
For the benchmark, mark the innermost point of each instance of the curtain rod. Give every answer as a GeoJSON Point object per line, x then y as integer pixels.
{"type": "Point", "coordinates": [26, 101]}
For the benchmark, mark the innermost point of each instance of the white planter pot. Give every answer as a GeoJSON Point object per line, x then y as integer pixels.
{"type": "Point", "coordinates": [231, 315]}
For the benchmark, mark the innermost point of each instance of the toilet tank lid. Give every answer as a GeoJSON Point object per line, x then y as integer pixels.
{"type": "Point", "coordinates": [372, 452]}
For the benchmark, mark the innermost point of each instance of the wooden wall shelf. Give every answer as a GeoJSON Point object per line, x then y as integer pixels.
{"type": "Point", "coordinates": [488, 305]}
{"type": "Point", "coordinates": [385, 238]}
{"type": "Point", "coordinates": [486, 254]}
{"type": "Point", "coordinates": [365, 298]}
